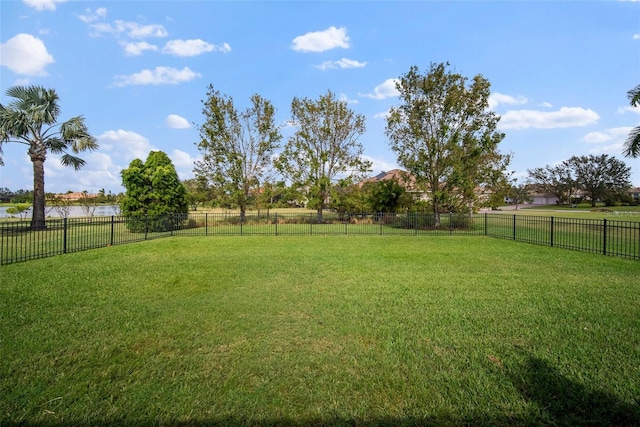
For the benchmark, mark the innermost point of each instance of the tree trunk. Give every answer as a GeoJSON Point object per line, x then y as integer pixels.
{"type": "Point", "coordinates": [436, 214]}
{"type": "Point", "coordinates": [37, 218]}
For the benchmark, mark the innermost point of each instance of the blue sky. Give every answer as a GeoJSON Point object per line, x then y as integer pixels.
{"type": "Point", "coordinates": [138, 71]}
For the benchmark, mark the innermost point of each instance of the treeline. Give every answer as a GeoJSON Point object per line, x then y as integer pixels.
{"type": "Point", "coordinates": [579, 179]}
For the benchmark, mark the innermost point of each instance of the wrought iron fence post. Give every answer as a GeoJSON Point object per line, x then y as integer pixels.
{"type": "Point", "coordinates": [276, 220]}
{"type": "Point", "coordinates": [112, 229]}
{"type": "Point", "coordinates": [514, 226]}
{"type": "Point", "coordinates": [64, 235]}
{"type": "Point", "coordinates": [241, 221]}
{"type": "Point", "coordinates": [551, 234]}
{"type": "Point", "coordinates": [450, 224]}
{"type": "Point", "coordinates": [604, 236]}
{"type": "Point", "coordinates": [486, 229]}
{"type": "Point", "coordinates": [206, 223]}
{"type": "Point", "coordinates": [146, 226]}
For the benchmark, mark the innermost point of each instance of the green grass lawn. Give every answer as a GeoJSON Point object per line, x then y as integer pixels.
{"type": "Point", "coordinates": [321, 330]}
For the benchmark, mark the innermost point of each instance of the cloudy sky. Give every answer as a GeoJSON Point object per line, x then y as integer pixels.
{"type": "Point", "coordinates": [138, 71]}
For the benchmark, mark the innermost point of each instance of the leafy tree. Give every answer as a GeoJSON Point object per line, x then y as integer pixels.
{"type": "Point", "coordinates": [197, 191]}
{"type": "Point", "coordinates": [61, 205]}
{"type": "Point", "coordinates": [323, 148]}
{"type": "Point", "coordinates": [385, 196]}
{"type": "Point", "coordinates": [519, 194]}
{"type": "Point", "coordinates": [89, 204]}
{"type": "Point", "coordinates": [22, 196]}
{"type": "Point", "coordinates": [153, 190]}
{"type": "Point", "coordinates": [21, 209]}
{"type": "Point", "coordinates": [348, 198]}
{"type": "Point", "coordinates": [31, 119]}
{"type": "Point", "coordinates": [632, 144]}
{"type": "Point", "coordinates": [5, 194]}
{"type": "Point", "coordinates": [237, 147]}
{"type": "Point", "coordinates": [600, 176]}
{"type": "Point", "coordinates": [445, 135]}
{"type": "Point", "coordinates": [554, 180]}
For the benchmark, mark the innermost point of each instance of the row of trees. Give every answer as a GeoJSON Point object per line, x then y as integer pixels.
{"type": "Point", "coordinates": [442, 132]}
{"type": "Point", "coordinates": [595, 178]}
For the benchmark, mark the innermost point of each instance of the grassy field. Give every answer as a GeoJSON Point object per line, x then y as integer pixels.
{"type": "Point", "coordinates": [337, 330]}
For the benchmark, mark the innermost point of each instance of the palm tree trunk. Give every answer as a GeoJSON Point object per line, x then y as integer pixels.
{"type": "Point", "coordinates": [37, 218]}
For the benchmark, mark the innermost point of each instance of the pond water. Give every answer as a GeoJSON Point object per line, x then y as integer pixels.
{"type": "Point", "coordinates": [76, 211]}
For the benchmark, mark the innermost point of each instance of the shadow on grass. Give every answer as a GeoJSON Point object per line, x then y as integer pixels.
{"type": "Point", "coordinates": [554, 400]}
{"type": "Point", "coordinates": [565, 402]}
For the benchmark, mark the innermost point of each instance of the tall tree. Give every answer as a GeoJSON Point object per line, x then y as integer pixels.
{"type": "Point", "coordinates": [445, 135]}
{"type": "Point", "coordinates": [601, 176]}
{"type": "Point", "coordinates": [323, 148]}
{"type": "Point", "coordinates": [554, 180]}
{"type": "Point", "coordinates": [632, 144]}
{"type": "Point", "coordinates": [32, 119]}
{"type": "Point", "coordinates": [153, 190]}
{"type": "Point", "coordinates": [237, 147]}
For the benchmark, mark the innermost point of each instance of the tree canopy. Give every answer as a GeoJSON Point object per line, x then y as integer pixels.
{"type": "Point", "coordinates": [236, 146]}
{"type": "Point", "coordinates": [323, 148]}
{"type": "Point", "coordinates": [555, 180]}
{"type": "Point", "coordinates": [153, 189]}
{"type": "Point", "coordinates": [601, 176]}
{"type": "Point", "coordinates": [32, 119]}
{"type": "Point", "coordinates": [446, 137]}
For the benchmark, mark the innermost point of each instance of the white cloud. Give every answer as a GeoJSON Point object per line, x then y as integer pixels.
{"type": "Point", "coordinates": [137, 48]}
{"type": "Point", "coordinates": [497, 98]}
{"type": "Point", "coordinates": [192, 47]}
{"type": "Point", "coordinates": [619, 133]}
{"type": "Point", "coordinates": [384, 90]}
{"type": "Point", "coordinates": [126, 145]}
{"type": "Point", "coordinates": [613, 149]}
{"type": "Point", "coordinates": [629, 109]}
{"type": "Point", "coordinates": [41, 5]}
{"type": "Point", "coordinates": [546, 105]}
{"type": "Point", "coordinates": [181, 159]}
{"type": "Point", "coordinates": [342, 63]}
{"type": "Point", "coordinates": [382, 115]}
{"type": "Point", "coordinates": [320, 41]}
{"type": "Point", "coordinates": [345, 98]}
{"type": "Point", "coordinates": [565, 117]}
{"type": "Point", "coordinates": [157, 76]}
{"type": "Point", "coordinates": [25, 54]}
{"type": "Point", "coordinates": [379, 165]}
{"type": "Point", "coordinates": [133, 30]}
{"type": "Point", "coordinates": [176, 122]}
{"type": "Point", "coordinates": [636, 36]}
{"type": "Point", "coordinates": [91, 16]}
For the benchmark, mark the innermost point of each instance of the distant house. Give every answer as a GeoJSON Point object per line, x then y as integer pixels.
{"type": "Point", "coordinates": [635, 194]}
{"type": "Point", "coordinates": [75, 196]}
{"type": "Point", "coordinates": [405, 179]}
{"type": "Point", "coordinates": [408, 181]}
{"type": "Point", "coordinates": [544, 199]}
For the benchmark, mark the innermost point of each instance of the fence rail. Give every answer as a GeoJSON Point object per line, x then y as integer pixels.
{"type": "Point", "coordinates": [19, 242]}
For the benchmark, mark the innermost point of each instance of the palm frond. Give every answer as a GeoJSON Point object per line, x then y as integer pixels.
{"type": "Point", "coordinates": [632, 144]}
{"type": "Point", "coordinates": [634, 96]}
{"type": "Point", "coordinates": [39, 103]}
{"type": "Point", "coordinates": [69, 160]}
{"type": "Point", "coordinates": [75, 132]}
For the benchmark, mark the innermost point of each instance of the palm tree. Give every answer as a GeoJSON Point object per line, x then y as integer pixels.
{"type": "Point", "coordinates": [31, 119]}
{"type": "Point", "coordinates": [632, 145]}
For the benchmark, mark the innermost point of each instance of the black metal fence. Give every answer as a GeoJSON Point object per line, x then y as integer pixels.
{"type": "Point", "coordinates": [19, 242]}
